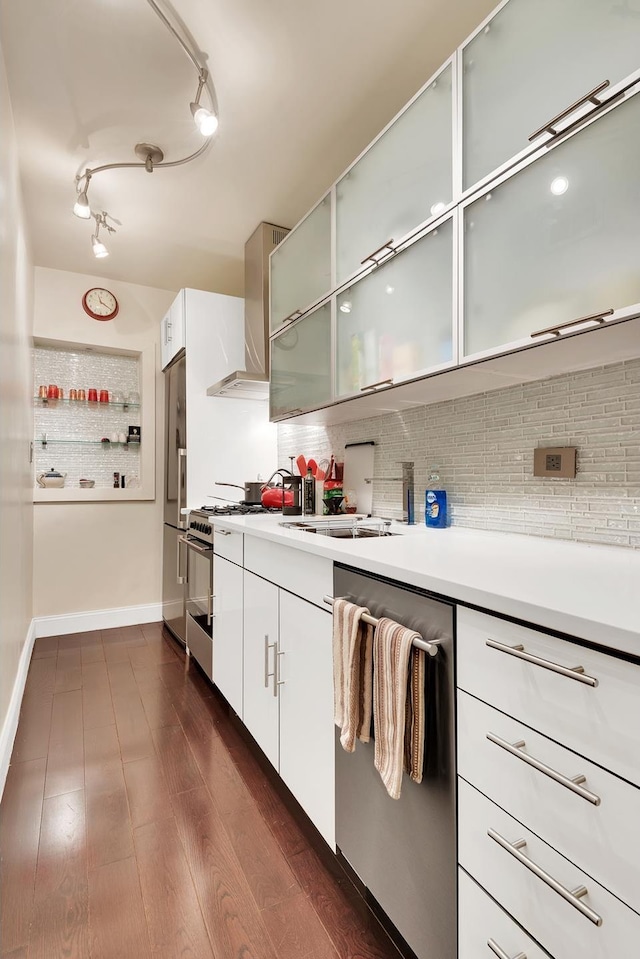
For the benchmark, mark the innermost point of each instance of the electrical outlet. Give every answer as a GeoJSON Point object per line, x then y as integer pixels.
{"type": "Point", "coordinates": [559, 461]}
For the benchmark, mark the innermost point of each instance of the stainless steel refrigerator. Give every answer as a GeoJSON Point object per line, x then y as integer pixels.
{"type": "Point", "coordinates": [175, 489]}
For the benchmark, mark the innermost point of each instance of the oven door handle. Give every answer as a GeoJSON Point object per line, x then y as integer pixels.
{"type": "Point", "coordinates": [193, 544]}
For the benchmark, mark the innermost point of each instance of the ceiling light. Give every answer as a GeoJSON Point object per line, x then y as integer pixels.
{"type": "Point", "coordinates": [99, 249]}
{"type": "Point", "coordinates": [81, 207]}
{"type": "Point", "coordinates": [559, 185]}
{"type": "Point", "coordinates": [205, 120]}
{"type": "Point", "coordinates": [345, 306]}
{"type": "Point", "coordinates": [389, 289]}
{"type": "Point", "coordinates": [437, 208]}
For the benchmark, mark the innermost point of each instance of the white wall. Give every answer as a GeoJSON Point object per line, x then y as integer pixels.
{"type": "Point", "coordinates": [16, 510]}
{"type": "Point", "coordinates": [97, 556]}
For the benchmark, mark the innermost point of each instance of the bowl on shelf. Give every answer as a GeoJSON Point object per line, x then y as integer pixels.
{"type": "Point", "coordinates": [87, 483]}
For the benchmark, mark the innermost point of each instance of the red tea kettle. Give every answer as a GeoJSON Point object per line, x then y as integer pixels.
{"type": "Point", "coordinates": [277, 496]}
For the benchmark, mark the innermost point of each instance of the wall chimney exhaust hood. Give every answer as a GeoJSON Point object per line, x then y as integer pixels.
{"type": "Point", "coordinates": [253, 382]}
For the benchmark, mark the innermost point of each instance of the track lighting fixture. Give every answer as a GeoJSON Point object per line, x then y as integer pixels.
{"type": "Point", "coordinates": [151, 156]}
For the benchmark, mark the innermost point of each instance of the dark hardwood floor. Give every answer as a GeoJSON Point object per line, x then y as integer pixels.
{"type": "Point", "coordinates": [136, 821]}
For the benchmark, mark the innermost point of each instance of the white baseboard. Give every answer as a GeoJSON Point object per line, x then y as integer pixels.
{"type": "Point", "coordinates": [97, 619]}
{"type": "Point", "coordinates": [10, 725]}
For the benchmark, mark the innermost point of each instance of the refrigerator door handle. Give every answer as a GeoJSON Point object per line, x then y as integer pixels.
{"type": "Point", "coordinates": [182, 458]}
{"type": "Point", "coordinates": [180, 578]}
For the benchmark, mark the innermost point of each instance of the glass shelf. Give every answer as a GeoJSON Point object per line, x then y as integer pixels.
{"type": "Point", "coordinates": [93, 404]}
{"type": "Point", "coordinates": [107, 445]}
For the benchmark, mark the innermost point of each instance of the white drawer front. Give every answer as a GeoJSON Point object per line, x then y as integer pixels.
{"type": "Point", "coordinates": [601, 722]}
{"type": "Point", "coordinates": [481, 921]}
{"type": "Point", "coordinates": [552, 920]}
{"type": "Point", "coordinates": [602, 839]}
{"type": "Point", "coordinates": [228, 543]}
{"type": "Point", "coordinates": [304, 574]}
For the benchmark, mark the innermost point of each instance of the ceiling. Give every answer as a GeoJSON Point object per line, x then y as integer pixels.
{"type": "Point", "coordinates": [302, 87]}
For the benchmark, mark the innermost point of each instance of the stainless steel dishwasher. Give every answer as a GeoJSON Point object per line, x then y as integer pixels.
{"type": "Point", "coordinates": [404, 850]}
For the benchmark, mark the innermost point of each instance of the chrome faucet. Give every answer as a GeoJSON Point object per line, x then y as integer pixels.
{"type": "Point", "coordinates": [408, 490]}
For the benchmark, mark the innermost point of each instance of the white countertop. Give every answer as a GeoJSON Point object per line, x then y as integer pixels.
{"type": "Point", "coordinates": [591, 592]}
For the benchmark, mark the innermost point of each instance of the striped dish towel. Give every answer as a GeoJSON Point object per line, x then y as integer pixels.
{"type": "Point", "coordinates": [352, 673]}
{"type": "Point", "coordinates": [398, 715]}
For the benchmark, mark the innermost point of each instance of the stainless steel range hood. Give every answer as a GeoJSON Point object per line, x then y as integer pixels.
{"type": "Point", "coordinates": [253, 382]}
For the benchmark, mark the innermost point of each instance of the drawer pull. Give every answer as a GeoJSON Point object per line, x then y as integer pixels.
{"type": "Point", "coordinates": [221, 532]}
{"type": "Point", "coordinates": [574, 784]}
{"type": "Point", "coordinates": [500, 953]}
{"type": "Point", "coordinates": [572, 896]}
{"type": "Point", "coordinates": [573, 672]}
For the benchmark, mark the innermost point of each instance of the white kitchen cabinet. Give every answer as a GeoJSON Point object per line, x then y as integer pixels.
{"type": "Point", "coordinates": [300, 266]}
{"type": "Point", "coordinates": [557, 239]}
{"type": "Point", "coordinates": [227, 630]}
{"type": "Point", "coordinates": [399, 320]}
{"type": "Point", "coordinates": [403, 179]}
{"type": "Point", "coordinates": [301, 364]}
{"type": "Point", "coordinates": [528, 62]}
{"type": "Point", "coordinates": [482, 921]}
{"type": "Point", "coordinates": [307, 742]}
{"type": "Point", "coordinates": [261, 703]}
{"type": "Point", "coordinates": [173, 330]}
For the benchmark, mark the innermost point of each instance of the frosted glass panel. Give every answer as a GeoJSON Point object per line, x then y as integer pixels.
{"type": "Point", "coordinates": [533, 60]}
{"type": "Point", "coordinates": [534, 257]}
{"type": "Point", "coordinates": [398, 320]}
{"type": "Point", "coordinates": [301, 265]}
{"type": "Point", "coordinates": [301, 364]}
{"type": "Point", "coordinates": [403, 175]}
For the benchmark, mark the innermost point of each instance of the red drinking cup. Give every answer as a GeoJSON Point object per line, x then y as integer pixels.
{"type": "Point", "coordinates": [52, 392]}
{"type": "Point", "coordinates": [92, 396]}
{"type": "Point", "coordinates": [104, 396]}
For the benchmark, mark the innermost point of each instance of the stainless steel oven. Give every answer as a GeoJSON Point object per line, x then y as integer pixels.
{"type": "Point", "coordinates": [198, 541]}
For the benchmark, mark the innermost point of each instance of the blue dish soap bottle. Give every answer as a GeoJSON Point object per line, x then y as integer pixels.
{"type": "Point", "coordinates": [435, 504]}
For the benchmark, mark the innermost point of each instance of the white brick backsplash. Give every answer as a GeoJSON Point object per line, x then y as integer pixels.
{"type": "Point", "coordinates": [484, 446]}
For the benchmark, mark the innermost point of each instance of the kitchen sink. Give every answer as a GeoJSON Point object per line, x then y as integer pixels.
{"type": "Point", "coordinates": [344, 529]}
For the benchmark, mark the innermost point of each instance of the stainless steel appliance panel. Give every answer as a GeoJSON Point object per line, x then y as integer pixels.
{"type": "Point", "coordinates": [175, 464]}
{"type": "Point", "coordinates": [199, 602]}
{"type": "Point", "coordinates": [404, 850]}
{"type": "Point", "coordinates": [200, 646]}
{"type": "Point", "coordinates": [173, 572]}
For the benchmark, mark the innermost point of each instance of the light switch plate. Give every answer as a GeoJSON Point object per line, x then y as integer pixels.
{"type": "Point", "coordinates": [558, 461]}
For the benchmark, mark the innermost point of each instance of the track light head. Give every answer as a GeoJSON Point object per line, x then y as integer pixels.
{"type": "Point", "coordinates": [98, 247]}
{"type": "Point", "coordinates": [205, 120]}
{"type": "Point", "coordinates": [81, 207]}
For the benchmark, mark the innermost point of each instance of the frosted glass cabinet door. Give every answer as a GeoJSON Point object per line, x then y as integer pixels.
{"type": "Point", "coordinates": [301, 265]}
{"type": "Point", "coordinates": [559, 239]}
{"type": "Point", "coordinates": [403, 179]}
{"type": "Point", "coordinates": [531, 61]}
{"type": "Point", "coordinates": [398, 320]}
{"type": "Point", "coordinates": [301, 365]}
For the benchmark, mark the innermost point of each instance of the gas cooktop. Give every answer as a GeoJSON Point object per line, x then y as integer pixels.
{"type": "Point", "coordinates": [234, 509]}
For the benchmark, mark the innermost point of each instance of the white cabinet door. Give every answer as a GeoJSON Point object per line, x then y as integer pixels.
{"type": "Point", "coordinates": [172, 330]}
{"type": "Point", "coordinates": [260, 647]}
{"type": "Point", "coordinates": [301, 365]}
{"type": "Point", "coordinates": [306, 710]}
{"type": "Point", "coordinates": [403, 179]}
{"type": "Point", "coordinates": [300, 266]}
{"type": "Point", "coordinates": [398, 320]}
{"type": "Point", "coordinates": [532, 60]}
{"type": "Point", "coordinates": [558, 239]}
{"type": "Point", "coordinates": [227, 631]}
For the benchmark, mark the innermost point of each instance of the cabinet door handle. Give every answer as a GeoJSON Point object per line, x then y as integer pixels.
{"type": "Point", "coordinates": [572, 896]}
{"type": "Point", "coordinates": [571, 672]}
{"type": "Point", "coordinates": [210, 598]}
{"type": "Point", "coordinates": [292, 316]}
{"type": "Point", "coordinates": [500, 953]}
{"type": "Point", "coordinates": [169, 335]}
{"type": "Point", "coordinates": [164, 324]}
{"type": "Point", "coordinates": [221, 532]}
{"type": "Point", "coordinates": [592, 318]}
{"type": "Point", "coordinates": [590, 96]}
{"type": "Point", "coordinates": [374, 386]}
{"type": "Point", "coordinates": [372, 256]}
{"type": "Point", "coordinates": [276, 673]}
{"type": "Point", "coordinates": [574, 784]}
{"type": "Point", "coordinates": [267, 647]}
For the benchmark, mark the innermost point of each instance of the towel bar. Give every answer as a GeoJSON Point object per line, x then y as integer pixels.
{"type": "Point", "coordinates": [430, 648]}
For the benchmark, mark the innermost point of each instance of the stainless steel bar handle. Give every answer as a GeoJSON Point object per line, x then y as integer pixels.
{"type": "Point", "coordinates": [209, 607]}
{"type": "Point", "coordinates": [169, 335]}
{"type": "Point", "coordinates": [292, 316]}
{"type": "Point", "coordinates": [372, 256]}
{"type": "Point", "coordinates": [267, 647]}
{"type": "Point", "coordinates": [592, 318]}
{"type": "Point", "coordinates": [182, 455]}
{"type": "Point", "coordinates": [572, 896]}
{"type": "Point", "coordinates": [193, 544]}
{"type": "Point", "coordinates": [373, 386]}
{"type": "Point", "coordinates": [180, 579]}
{"type": "Point", "coordinates": [500, 953]}
{"type": "Point", "coordinates": [222, 532]}
{"type": "Point", "coordinates": [573, 672]}
{"type": "Point", "coordinates": [590, 96]}
{"type": "Point", "coordinates": [573, 784]}
{"type": "Point", "coordinates": [276, 673]}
